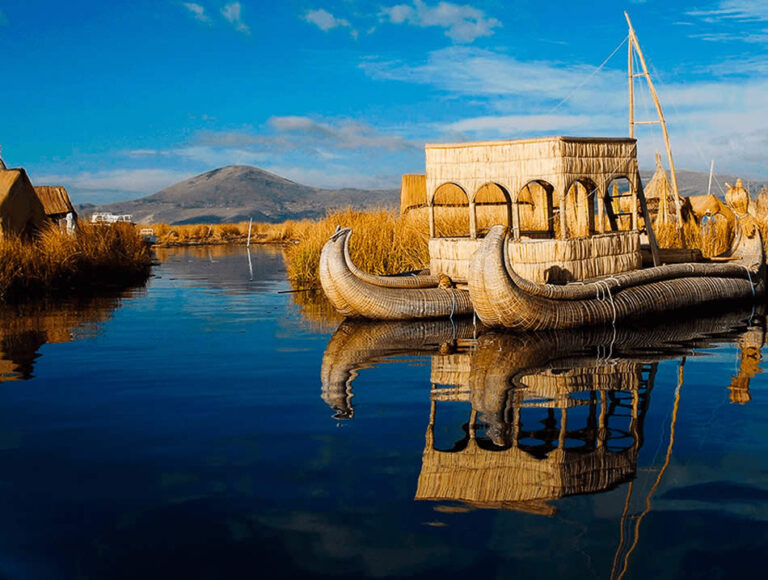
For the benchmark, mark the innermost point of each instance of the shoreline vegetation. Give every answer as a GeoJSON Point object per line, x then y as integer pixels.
{"type": "Point", "coordinates": [56, 264]}
{"type": "Point", "coordinates": [387, 242]}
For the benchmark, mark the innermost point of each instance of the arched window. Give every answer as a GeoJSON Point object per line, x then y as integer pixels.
{"type": "Point", "coordinates": [493, 206]}
{"type": "Point", "coordinates": [451, 210]}
{"type": "Point", "coordinates": [620, 205]}
{"type": "Point", "coordinates": [580, 208]}
{"type": "Point", "coordinates": [536, 209]}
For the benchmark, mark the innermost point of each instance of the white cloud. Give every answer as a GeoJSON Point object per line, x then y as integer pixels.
{"type": "Point", "coordinates": [335, 177]}
{"type": "Point", "coordinates": [739, 10]}
{"type": "Point", "coordinates": [197, 11]}
{"type": "Point", "coordinates": [340, 135]}
{"type": "Point", "coordinates": [462, 23]}
{"type": "Point", "coordinates": [473, 72]}
{"type": "Point", "coordinates": [124, 183]}
{"type": "Point", "coordinates": [233, 14]}
{"type": "Point", "coordinates": [511, 125]}
{"type": "Point", "coordinates": [326, 21]}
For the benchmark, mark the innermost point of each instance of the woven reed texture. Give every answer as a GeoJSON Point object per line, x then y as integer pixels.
{"type": "Point", "coordinates": [761, 205]}
{"type": "Point", "coordinates": [451, 369]}
{"type": "Point", "coordinates": [354, 297]}
{"type": "Point", "coordinates": [512, 164]}
{"type": "Point", "coordinates": [413, 192]}
{"type": "Point", "coordinates": [501, 297]}
{"type": "Point", "coordinates": [357, 344]}
{"type": "Point", "coordinates": [545, 261]}
{"type": "Point", "coordinates": [20, 209]}
{"type": "Point", "coordinates": [55, 200]}
{"type": "Point", "coordinates": [452, 256]}
{"type": "Point", "coordinates": [558, 261]}
{"type": "Point", "coordinates": [737, 198]}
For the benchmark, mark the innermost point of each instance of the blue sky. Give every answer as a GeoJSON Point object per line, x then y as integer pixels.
{"type": "Point", "coordinates": [119, 99]}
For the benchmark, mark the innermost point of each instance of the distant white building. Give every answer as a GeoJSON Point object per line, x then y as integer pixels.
{"type": "Point", "coordinates": [110, 218]}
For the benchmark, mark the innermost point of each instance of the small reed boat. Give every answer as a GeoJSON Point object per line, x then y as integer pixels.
{"type": "Point", "coordinates": [501, 297]}
{"type": "Point", "coordinates": [356, 294]}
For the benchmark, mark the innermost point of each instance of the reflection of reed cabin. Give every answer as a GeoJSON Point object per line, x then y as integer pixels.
{"type": "Point", "coordinates": [571, 205]}
{"type": "Point", "coordinates": [558, 433]}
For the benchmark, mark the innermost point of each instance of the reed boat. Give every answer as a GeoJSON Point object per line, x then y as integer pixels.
{"type": "Point", "coordinates": [502, 298]}
{"type": "Point", "coordinates": [551, 233]}
{"type": "Point", "coordinates": [357, 294]}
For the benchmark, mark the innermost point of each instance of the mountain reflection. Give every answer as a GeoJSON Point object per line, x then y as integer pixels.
{"type": "Point", "coordinates": [27, 327]}
{"type": "Point", "coordinates": [548, 414]}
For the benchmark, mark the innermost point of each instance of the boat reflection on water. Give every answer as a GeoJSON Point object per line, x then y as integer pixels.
{"type": "Point", "coordinates": [27, 327]}
{"type": "Point", "coordinates": [359, 344]}
{"type": "Point", "coordinates": [551, 414]}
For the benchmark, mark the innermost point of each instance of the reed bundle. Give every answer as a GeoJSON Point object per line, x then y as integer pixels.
{"type": "Point", "coordinates": [55, 262]}
{"type": "Point", "coordinates": [384, 243]}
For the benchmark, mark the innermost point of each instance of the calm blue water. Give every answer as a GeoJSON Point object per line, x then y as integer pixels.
{"type": "Point", "coordinates": [208, 427]}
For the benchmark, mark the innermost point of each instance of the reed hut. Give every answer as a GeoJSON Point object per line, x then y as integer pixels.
{"type": "Point", "coordinates": [660, 196]}
{"type": "Point", "coordinates": [21, 212]}
{"type": "Point", "coordinates": [413, 192]}
{"type": "Point", "coordinates": [56, 203]}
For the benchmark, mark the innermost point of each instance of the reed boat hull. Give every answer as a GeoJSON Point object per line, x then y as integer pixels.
{"type": "Point", "coordinates": [502, 298]}
{"type": "Point", "coordinates": [356, 294]}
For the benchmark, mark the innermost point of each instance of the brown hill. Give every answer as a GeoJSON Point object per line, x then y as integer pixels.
{"type": "Point", "coordinates": [239, 192]}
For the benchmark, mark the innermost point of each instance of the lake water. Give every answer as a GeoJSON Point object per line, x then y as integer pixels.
{"type": "Point", "coordinates": [208, 426]}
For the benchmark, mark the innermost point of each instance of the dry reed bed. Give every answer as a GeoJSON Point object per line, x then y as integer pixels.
{"type": "Point", "coordinates": [55, 263]}
{"type": "Point", "coordinates": [213, 234]}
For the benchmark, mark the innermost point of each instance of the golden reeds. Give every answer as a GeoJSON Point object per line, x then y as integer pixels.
{"type": "Point", "coordinates": [384, 243]}
{"type": "Point", "coordinates": [57, 263]}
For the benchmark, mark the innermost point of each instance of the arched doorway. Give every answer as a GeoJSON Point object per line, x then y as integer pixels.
{"type": "Point", "coordinates": [450, 211]}
{"type": "Point", "coordinates": [536, 209]}
{"type": "Point", "coordinates": [493, 206]}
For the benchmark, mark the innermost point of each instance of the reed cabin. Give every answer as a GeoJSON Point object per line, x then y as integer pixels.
{"type": "Point", "coordinates": [521, 449]}
{"type": "Point", "coordinates": [571, 204]}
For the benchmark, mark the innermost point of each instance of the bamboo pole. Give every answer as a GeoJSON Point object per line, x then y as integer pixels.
{"type": "Point", "coordinates": [711, 174]}
{"type": "Point", "coordinates": [250, 225]}
{"type": "Point", "coordinates": [431, 211]}
{"type": "Point", "coordinates": [633, 41]}
{"type": "Point", "coordinates": [631, 73]}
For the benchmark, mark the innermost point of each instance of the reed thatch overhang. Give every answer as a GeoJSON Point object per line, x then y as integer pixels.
{"type": "Point", "coordinates": [21, 212]}
{"type": "Point", "coordinates": [553, 163]}
{"type": "Point", "coordinates": [55, 200]}
{"type": "Point", "coordinates": [413, 192]}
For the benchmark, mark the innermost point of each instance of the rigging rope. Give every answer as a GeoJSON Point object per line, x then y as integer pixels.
{"type": "Point", "coordinates": [586, 80]}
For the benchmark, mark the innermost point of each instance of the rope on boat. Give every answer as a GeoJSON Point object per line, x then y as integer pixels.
{"type": "Point", "coordinates": [603, 291]}
{"type": "Point", "coordinates": [453, 306]}
{"type": "Point", "coordinates": [749, 275]}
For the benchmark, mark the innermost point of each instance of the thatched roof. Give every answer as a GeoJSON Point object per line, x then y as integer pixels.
{"type": "Point", "coordinates": [55, 199]}
{"type": "Point", "coordinates": [20, 209]}
{"type": "Point", "coordinates": [659, 186]}
{"type": "Point", "coordinates": [413, 192]}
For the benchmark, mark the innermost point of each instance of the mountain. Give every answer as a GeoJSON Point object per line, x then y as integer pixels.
{"type": "Point", "coordinates": [239, 192]}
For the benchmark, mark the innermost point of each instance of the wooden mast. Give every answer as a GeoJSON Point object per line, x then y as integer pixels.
{"type": "Point", "coordinates": [633, 43]}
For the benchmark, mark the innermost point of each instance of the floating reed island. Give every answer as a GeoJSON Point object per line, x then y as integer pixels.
{"type": "Point", "coordinates": [46, 251]}
{"type": "Point", "coordinates": [560, 234]}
